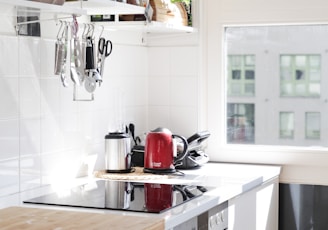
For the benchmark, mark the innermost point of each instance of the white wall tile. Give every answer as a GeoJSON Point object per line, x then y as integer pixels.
{"type": "Point", "coordinates": [9, 139]}
{"type": "Point", "coordinates": [67, 105]}
{"type": "Point", "coordinates": [184, 91]}
{"type": "Point", "coordinates": [29, 97]}
{"type": "Point", "coordinates": [30, 136]}
{"type": "Point", "coordinates": [47, 57]}
{"type": "Point", "coordinates": [135, 91]}
{"type": "Point", "coordinates": [51, 134]}
{"type": "Point", "coordinates": [183, 120]}
{"type": "Point", "coordinates": [9, 177]}
{"type": "Point", "coordinates": [184, 61]}
{"type": "Point", "coordinates": [100, 125]}
{"type": "Point", "coordinates": [29, 56]}
{"type": "Point", "coordinates": [159, 61]}
{"type": "Point", "coordinates": [30, 172]}
{"type": "Point", "coordinates": [9, 156]}
{"type": "Point", "coordinates": [50, 96]}
{"type": "Point", "coordinates": [137, 116]}
{"type": "Point", "coordinates": [57, 167]}
{"type": "Point", "coordinates": [9, 97]}
{"type": "Point", "coordinates": [159, 91]}
{"type": "Point", "coordinates": [159, 116]}
{"type": "Point", "coordinates": [9, 56]}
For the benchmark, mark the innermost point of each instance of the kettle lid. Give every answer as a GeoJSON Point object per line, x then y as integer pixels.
{"type": "Point", "coordinates": [161, 130]}
{"type": "Point", "coordinates": [117, 135]}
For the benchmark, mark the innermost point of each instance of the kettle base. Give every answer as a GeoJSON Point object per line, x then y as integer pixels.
{"type": "Point", "coordinates": [120, 170]}
{"type": "Point", "coordinates": [159, 171]}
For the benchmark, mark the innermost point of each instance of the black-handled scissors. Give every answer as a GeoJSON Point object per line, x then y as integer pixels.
{"type": "Point", "coordinates": [105, 47]}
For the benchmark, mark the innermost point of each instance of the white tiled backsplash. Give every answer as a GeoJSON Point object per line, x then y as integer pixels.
{"type": "Point", "coordinates": [44, 134]}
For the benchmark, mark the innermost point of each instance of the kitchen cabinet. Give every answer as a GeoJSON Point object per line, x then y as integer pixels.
{"type": "Point", "coordinates": [256, 209]}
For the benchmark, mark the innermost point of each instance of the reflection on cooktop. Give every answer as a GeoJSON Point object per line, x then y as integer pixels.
{"type": "Point", "coordinates": [121, 195]}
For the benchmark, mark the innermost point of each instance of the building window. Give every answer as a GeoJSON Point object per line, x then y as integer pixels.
{"type": "Point", "coordinates": [300, 75]}
{"type": "Point", "coordinates": [312, 125]}
{"type": "Point", "coordinates": [241, 75]}
{"type": "Point", "coordinates": [286, 125]}
{"type": "Point", "coordinates": [240, 123]}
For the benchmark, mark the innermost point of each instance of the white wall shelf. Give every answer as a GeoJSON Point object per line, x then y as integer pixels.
{"type": "Point", "coordinates": [95, 7]}
{"type": "Point", "coordinates": [152, 27]}
{"type": "Point", "coordinates": [101, 7]}
{"type": "Point", "coordinates": [44, 8]}
{"type": "Point", "coordinates": [112, 7]}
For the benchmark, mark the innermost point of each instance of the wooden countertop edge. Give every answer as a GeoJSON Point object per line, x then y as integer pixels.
{"type": "Point", "coordinates": [27, 218]}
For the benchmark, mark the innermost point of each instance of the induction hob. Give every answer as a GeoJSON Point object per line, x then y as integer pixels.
{"type": "Point", "coordinates": [124, 196]}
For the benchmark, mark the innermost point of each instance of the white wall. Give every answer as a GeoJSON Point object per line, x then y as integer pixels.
{"type": "Point", "coordinates": [44, 134]}
{"type": "Point", "coordinates": [173, 89]}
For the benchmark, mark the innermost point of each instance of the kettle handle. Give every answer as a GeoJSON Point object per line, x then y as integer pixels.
{"type": "Point", "coordinates": [185, 148]}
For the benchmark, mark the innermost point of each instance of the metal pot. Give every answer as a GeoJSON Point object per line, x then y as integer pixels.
{"type": "Point", "coordinates": [117, 152]}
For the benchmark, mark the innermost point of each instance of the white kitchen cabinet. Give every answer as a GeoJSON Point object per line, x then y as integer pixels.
{"type": "Point", "coordinates": [256, 209]}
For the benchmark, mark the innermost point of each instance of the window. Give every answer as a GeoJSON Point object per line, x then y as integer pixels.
{"type": "Point", "coordinates": [288, 61]}
{"type": "Point", "coordinates": [300, 75]}
{"type": "Point", "coordinates": [241, 69]}
{"type": "Point", "coordinates": [286, 125]}
{"type": "Point", "coordinates": [240, 123]}
{"type": "Point", "coordinates": [312, 128]}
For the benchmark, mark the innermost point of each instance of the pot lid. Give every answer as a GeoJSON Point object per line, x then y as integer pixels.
{"type": "Point", "coordinates": [117, 135]}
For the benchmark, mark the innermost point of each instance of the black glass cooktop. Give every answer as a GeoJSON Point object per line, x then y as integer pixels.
{"type": "Point", "coordinates": [121, 195]}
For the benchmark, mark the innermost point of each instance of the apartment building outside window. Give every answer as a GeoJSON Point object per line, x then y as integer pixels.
{"type": "Point", "coordinates": [275, 85]}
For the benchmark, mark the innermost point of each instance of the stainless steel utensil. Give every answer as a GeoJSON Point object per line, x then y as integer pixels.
{"type": "Point", "coordinates": [105, 48]}
{"type": "Point", "coordinates": [89, 59]}
{"type": "Point", "coordinates": [90, 83]}
{"type": "Point", "coordinates": [59, 51]}
{"type": "Point", "coordinates": [76, 71]}
{"type": "Point", "coordinates": [63, 72]}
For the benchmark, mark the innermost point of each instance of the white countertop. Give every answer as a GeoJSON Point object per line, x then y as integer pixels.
{"type": "Point", "coordinates": [229, 180]}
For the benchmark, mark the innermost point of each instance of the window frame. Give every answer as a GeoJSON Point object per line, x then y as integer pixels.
{"type": "Point", "coordinates": [218, 15]}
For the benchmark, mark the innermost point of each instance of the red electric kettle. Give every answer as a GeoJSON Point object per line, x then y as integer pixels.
{"type": "Point", "coordinates": [161, 151]}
